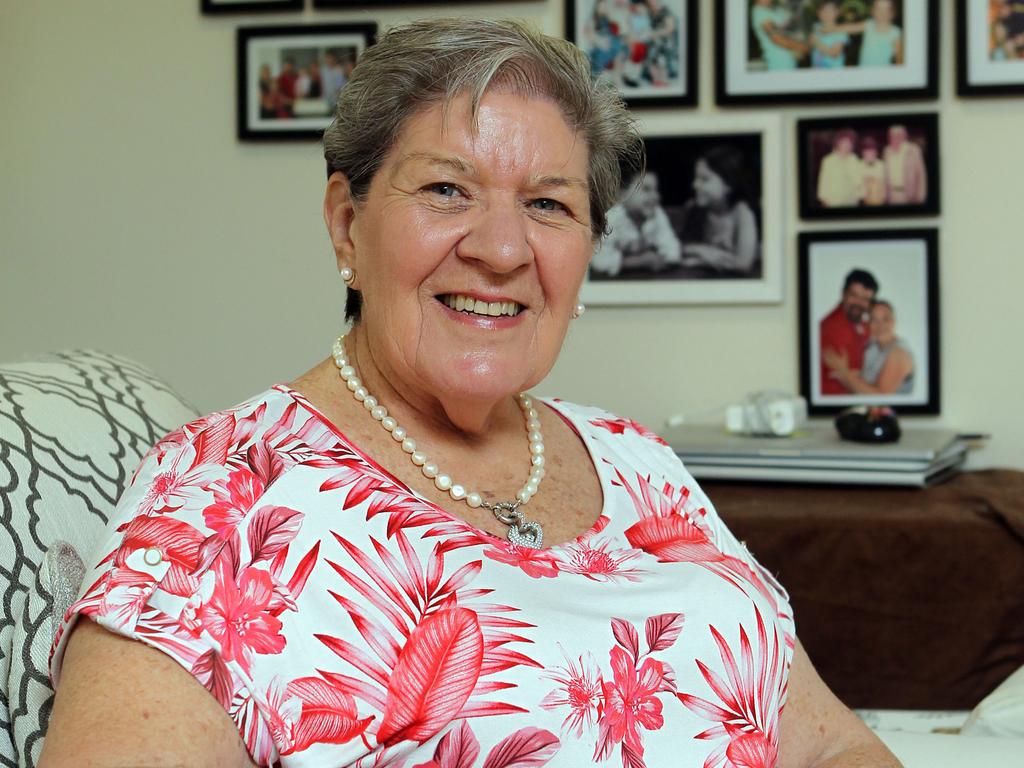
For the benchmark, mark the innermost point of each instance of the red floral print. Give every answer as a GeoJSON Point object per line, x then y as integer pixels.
{"type": "Point", "coordinates": [621, 426]}
{"type": "Point", "coordinates": [581, 688]}
{"type": "Point", "coordinates": [339, 619]}
{"type": "Point", "coordinates": [598, 561]}
{"type": "Point", "coordinates": [233, 500]}
{"type": "Point", "coordinates": [749, 701]}
{"type": "Point", "coordinates": [536, 563]}
{"type": "Point", "coordinates": [629, 700]}
{"type": "Point", "coordinates": [237, 616]}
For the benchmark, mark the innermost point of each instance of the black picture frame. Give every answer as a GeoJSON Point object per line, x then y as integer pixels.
{"type": "Point", "coordinates": [365, 4]}
{"type": "Point", "coordinates": [302, 119]}
{"type": "Point", "coordinates": [817, 164]}
{"type": "Point", "coordinates": [680, 90]}
{"type": "Point", "coordinates": [905, 265]}
{"type": "Point", "coordinates": [978, 70]}
{"type": "Point", "coordinates": [742, 78]}
{"type": "Point", "coordinates": [220, 7]}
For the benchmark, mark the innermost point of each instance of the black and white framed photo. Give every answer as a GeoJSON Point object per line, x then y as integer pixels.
{"type": "Point", "coordinates": [702, 223]}
{"type": "Point", "coordinates": [869, 320]}
{"type": "Point", "coordinates": [289, 77]}
{"type": "Point", "coordinates": [990, 48]}
{"type": "Point", "coordinates": [796, 51]}
{"type": "Point", "coordinates": [869, 166]}
{"type": "Point", "coordinates": [248, 6]}
{"type": "Point", "coordinates": [647, 48]}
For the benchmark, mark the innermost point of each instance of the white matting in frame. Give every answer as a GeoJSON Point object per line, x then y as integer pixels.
{"type": "Point", "coordinates": [979, 68]}
{"type": "Point", "coordinates": [667, 286]}
{"type": "Point", "coordinates": [911, 75]}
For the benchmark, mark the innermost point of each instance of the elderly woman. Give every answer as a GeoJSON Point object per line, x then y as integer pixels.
{"type": "Point", "coordinates": [402, 558]}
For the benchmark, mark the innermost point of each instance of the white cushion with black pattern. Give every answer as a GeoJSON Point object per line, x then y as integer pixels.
{"type": "Point", "coordinates": [73, 427]}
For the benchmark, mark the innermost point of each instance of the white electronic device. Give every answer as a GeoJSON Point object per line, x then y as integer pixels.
{"type": "Point", "coordinates": [767, 413]}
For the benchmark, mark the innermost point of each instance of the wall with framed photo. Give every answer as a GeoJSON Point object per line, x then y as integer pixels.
{"type": "Point", "coordinates": [274, 102]}
{"type": "Point", "coordinates": [869, 320]}
{"type": "Point", "coordinates": [794, 51]}
{"type": "Point", "coordinates": [869, 166]}
{"type": "Point", "coordinates": [702, 224]}
{"type": "Point", "coordinates": [648, 50]}
{"type": "Point", "coordinates": [989, 48]}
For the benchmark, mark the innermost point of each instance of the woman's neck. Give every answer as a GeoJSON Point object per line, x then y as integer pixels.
{"type": "Point", "coordinates": [445, 414]}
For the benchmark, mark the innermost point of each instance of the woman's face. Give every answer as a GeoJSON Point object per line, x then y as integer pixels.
{"type": "Point", "coordinates": [708, 187]}
{"type": "Point", "coordinates": [500, 216]}
{"type": "Point", "coordinates": [882, 323]}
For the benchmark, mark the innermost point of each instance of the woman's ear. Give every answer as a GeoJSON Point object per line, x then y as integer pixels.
{"type": "Point", "coordinates": [339, 216]}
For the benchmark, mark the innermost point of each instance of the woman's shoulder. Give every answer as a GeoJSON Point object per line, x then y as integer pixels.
{"type": "Point", "coordinates": [237, 423]}
{"type": "Point", "coordinates": [600, 424]}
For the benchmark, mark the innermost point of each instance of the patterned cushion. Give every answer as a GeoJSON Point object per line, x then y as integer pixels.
{"type": "Point", "coordinates": [73, 427]}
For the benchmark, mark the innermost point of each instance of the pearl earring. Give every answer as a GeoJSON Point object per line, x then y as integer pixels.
{"type": "Point", "coordinates": [347, 274]}
{"type": "Point", "coordinates": [578, 310]}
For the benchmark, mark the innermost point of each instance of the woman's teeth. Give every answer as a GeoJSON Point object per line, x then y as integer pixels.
{"type": "Point", "coordinates": [477, 307]}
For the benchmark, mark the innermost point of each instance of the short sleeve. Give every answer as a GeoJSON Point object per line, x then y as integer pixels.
{"type": "Point", "coordinates": [167, 571]}
{"type": "Point", "coordinates": [763, 579]}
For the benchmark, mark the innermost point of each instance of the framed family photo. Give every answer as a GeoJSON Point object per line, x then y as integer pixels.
{"type": "Point", "coordinates": [796, 51]}
{"type": "Point", "coordinates": [990, 48]}
{"type": "Point", "coordinates": [701, 223]}
{"type": "Point", "coordinates": [869, 166]}
{"type": "Point", "coordinates": [289, 77]}
{"type": "Point", "coordinates": [647, 48]}
{"type": "Point", "coordinates": [869, 320]}
{"type": "Point", "coordinates": [248, 6]}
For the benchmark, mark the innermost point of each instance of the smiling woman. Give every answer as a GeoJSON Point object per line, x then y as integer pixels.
{"type": "Point", "coordinates": [299, 581]}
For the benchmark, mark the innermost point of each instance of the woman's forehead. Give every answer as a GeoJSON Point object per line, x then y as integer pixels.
{"type": "Point", "coordinates": [508, 132]}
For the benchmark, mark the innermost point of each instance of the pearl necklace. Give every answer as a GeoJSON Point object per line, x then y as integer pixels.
{"type": "Point", "coordinates": [520, 531]}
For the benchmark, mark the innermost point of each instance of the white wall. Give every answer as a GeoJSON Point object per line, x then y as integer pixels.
{"type": "Point", "coordinates": [128, 211]}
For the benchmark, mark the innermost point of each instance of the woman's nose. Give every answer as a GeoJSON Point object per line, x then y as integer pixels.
{"type": "Point", "coordinates": [497, 238]}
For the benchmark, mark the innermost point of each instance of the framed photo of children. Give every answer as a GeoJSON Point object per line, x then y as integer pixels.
{"type": "Point", "coordinates": [796, 51]}
{"type": "Point", "coordinates": [647, 48]}
{"type": "Point", "coordinates": [990, 48]}
{"type": "Point", "coordinates": [869, 320]}
{"type": "Point", "coordinates": [864, 167]}
{"type": "Point", "coordinates": [702, 223]}
{"type": "Point", "coordinates": [289, 77]}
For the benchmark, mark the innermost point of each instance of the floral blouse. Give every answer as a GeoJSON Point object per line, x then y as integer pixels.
{"type": "Point", "coordinates": [341, 619]}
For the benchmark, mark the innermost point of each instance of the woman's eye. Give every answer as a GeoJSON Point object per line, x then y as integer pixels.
{"type": "Point", "coordinates": [444, 189]}
{"type": "Point", "coordinates": [547, 204]}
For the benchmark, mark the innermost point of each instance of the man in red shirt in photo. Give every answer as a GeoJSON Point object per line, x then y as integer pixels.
{"type": "Point", "coordinates": [845, 328]}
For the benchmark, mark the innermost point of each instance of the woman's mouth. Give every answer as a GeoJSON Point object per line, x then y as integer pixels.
{"type": "Point", "coordinates": [469, 305]}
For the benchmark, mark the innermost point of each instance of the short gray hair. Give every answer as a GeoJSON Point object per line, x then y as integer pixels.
{"type": "Point", "coordinates": [434, 61]}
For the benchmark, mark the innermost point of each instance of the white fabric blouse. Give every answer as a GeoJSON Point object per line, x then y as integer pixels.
{"type": "Point", "coordinates": [341, 619]}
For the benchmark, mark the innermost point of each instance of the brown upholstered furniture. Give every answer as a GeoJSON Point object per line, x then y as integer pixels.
{"type": "Point", "coordinates": [904, 598]}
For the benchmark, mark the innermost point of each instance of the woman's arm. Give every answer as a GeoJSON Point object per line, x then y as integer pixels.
{"type": "Point", "coordinates": [897, 366]}
{"type": "Point", "coordinates": [121, 703]}
{"type": "Point", "coordinates": [817, 731]}
{"type": "Point", "coordinates": [740, 259]}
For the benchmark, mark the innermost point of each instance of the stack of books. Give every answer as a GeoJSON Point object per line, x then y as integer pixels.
{"type": "Point", "coordinates": [816, 454]}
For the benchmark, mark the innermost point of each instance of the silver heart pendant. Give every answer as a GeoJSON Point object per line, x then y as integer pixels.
{"type": "Point", "coordinates": [526, 535]}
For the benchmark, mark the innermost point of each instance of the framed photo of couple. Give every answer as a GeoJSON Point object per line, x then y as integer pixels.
{"type": "Point", "coordinates": [647, 48]}
{"type": "Point", "coordinates": [701, 223]}
{"type": "Point", "coordinates": [990, 48]}
{"type": "Point", "coordinates": [869, 320]}
{"type": "Point", "coordinates": [868, 167]}
{"type": "Point", "coordinates": [796, 51]}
